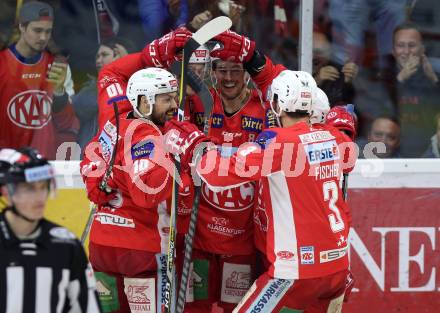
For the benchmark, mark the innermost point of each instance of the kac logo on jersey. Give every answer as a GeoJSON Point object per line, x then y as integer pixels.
{"type": "Point", "coordinates": [141, 150]}
{"type": "Point", "coordinates": [322, 152]}
{"type": "Point", "coordinates": [217, 121]}
{"type": "Point", "coordinates": [30, 109]}
{"type": "Point", "coordinates": [234, 199]}
{"type": "Point", "coordinates": [252, 124]}
{"type": "Point", "coordinates": [307, 255]}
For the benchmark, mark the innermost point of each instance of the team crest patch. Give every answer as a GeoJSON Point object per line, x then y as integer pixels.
{"type": "Point", "coordinates": [142, 150]}
{"type": "Point", "coordinates": [307, 255]}
{"type": "Point", "coordinates": [61, 233]}
{"type": "Point", "coordinates": [265, 138]}
{"type": "Point", "coordinates": [250, 123]}
{"type": "Point", "coordinates": [322, 152]}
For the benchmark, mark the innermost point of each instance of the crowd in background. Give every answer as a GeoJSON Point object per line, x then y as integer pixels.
{"type": "Point", "coordinates": [383, 56]}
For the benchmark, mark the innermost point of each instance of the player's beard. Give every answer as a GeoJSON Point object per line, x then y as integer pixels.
{"type": "Point", "coordinates": [160, 118]}
{"type": "Point", "coordinates": [228, 94]}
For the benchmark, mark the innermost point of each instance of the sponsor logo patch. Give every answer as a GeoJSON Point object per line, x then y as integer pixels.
{"type": "Point", "coordinates": [331, 255]}
{"type": "Point", "coordinates": [200, 53]}
{"type": "Point", "coordinates": [307, 255]}
{"type": "Point", "coordinates": [199, 118]}
{"type": "Point", "coordinates": [251, 123]}
{"type": "Point", "coordinates": [271, 120]}
{"type": "Point", "coordinates": [217, 121]}
{"type": "Point", "coordinates": [144, 150]}
{"type": "Point", "coordinates": [316, 137]}
{"type": "Point", "coordinates": [38, 173]}
{"type": "Point", "coordinates": [285, 255]}
{"type": "Point", "coordinates": [322, 152]}
{"type": "Point", "coordinates": [111, 219]}
{"type": "Point", "coordinates": [236, 281]}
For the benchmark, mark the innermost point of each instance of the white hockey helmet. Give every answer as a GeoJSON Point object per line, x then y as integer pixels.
{"type": "Point", "coordinates": [200, 55]}
{"type": "Point", "coordinates": [320, 107]}
{"type": "Point", "coordinates": [293, 91]}
{"type": "Point", "coordinates": [149, 82]}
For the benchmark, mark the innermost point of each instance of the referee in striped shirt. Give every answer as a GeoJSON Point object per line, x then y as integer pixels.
{"type": "Point", "coordinates": [43, 267]}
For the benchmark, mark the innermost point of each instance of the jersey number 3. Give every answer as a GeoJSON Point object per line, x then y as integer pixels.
{"type": "Point", "coordinates": [330, 190]}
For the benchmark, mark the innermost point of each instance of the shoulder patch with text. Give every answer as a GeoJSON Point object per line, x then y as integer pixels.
{"type": "Point", "coordinates": [250, 123]}
{"type": "Point", "coordinates": [142, 150]}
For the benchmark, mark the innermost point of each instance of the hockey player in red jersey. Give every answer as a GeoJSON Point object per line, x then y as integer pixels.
{"type": "Point", "coordinates": [113, 78]}
{"type": "Point", "coordinates": [299, 167]}
{"type": "Point", "coordinates": [224, 254]}
{"type": "Point", "coordinates": [130, 232]}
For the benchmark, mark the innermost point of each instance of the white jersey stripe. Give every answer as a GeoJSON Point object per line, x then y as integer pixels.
{"type": "Point", "coordinates": [14, 283]}
{"type": "Point", "coordinates": [162, 224]}
{"type": "Point", "coordinates": [43, 289]}
{"type": "Point", "coordinates": [285, 241]}
{"type": "Point", "coordinates": [62, 287]}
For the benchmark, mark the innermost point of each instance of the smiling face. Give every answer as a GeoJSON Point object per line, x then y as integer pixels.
{"type": "Point", "coordinates": [386, 131]}
{"type": "Point", "coordinates": [29, 199]}
{"type": "Point", "coordinates": [407, 45]}
{"type": "Point", "coordinates": [164, 108]}
{"type": "Point", "coordinates": [36, 35]}
{"type": "Point", "coordinates": [230, 79]}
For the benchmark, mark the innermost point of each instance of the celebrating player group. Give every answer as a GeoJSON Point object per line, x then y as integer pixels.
{"type": "Point", "coordinates": [247, 183]}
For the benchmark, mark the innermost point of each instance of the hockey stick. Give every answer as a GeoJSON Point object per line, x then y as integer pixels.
{"type": "Point", "coordinates": [103, 185]}
{"type": "Point", "coordinates": [205, 96]}
{"type": "Point", "coordinates": [205, 33]}
{"type": "Point", "coordinates": [345, 186]}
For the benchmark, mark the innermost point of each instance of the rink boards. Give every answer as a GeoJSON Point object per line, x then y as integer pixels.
{"type": "Point", "coordinates": [395, 239]}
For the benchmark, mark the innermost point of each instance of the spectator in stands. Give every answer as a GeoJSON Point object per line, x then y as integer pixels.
{"type": "Point", "coordinates": [414, 89]}
{"type": "Point", "coordinates": [351, 19]}
{"type": "Point", "coordinates": [85, 102]}
{"type": "Point", "coordinates": [335, 80]}
{"type": "Point", "coordinates": [159, 16]}
{"type": "Point", "coordinates": [433, 150]}
{"type": "Point", "coordinates": [386, 130]}
{"type": "Point", "coordinates": [35, 107]}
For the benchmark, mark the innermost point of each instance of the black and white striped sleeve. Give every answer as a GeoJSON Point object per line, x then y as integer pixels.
{"type": "Point", "coordinates": [81, 290]}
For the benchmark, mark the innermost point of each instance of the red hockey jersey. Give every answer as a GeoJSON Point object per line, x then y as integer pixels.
{"type": "Point", "coordinates": [26, 117]}
{"type": "Point", "coordinates": [224, 224]}
{"type": "Point", "coordinates": [303, 216]}
{"type": "Point", "coordinates": [112, 84]}
{"type": "Point", "coordinates": [138, 218]}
